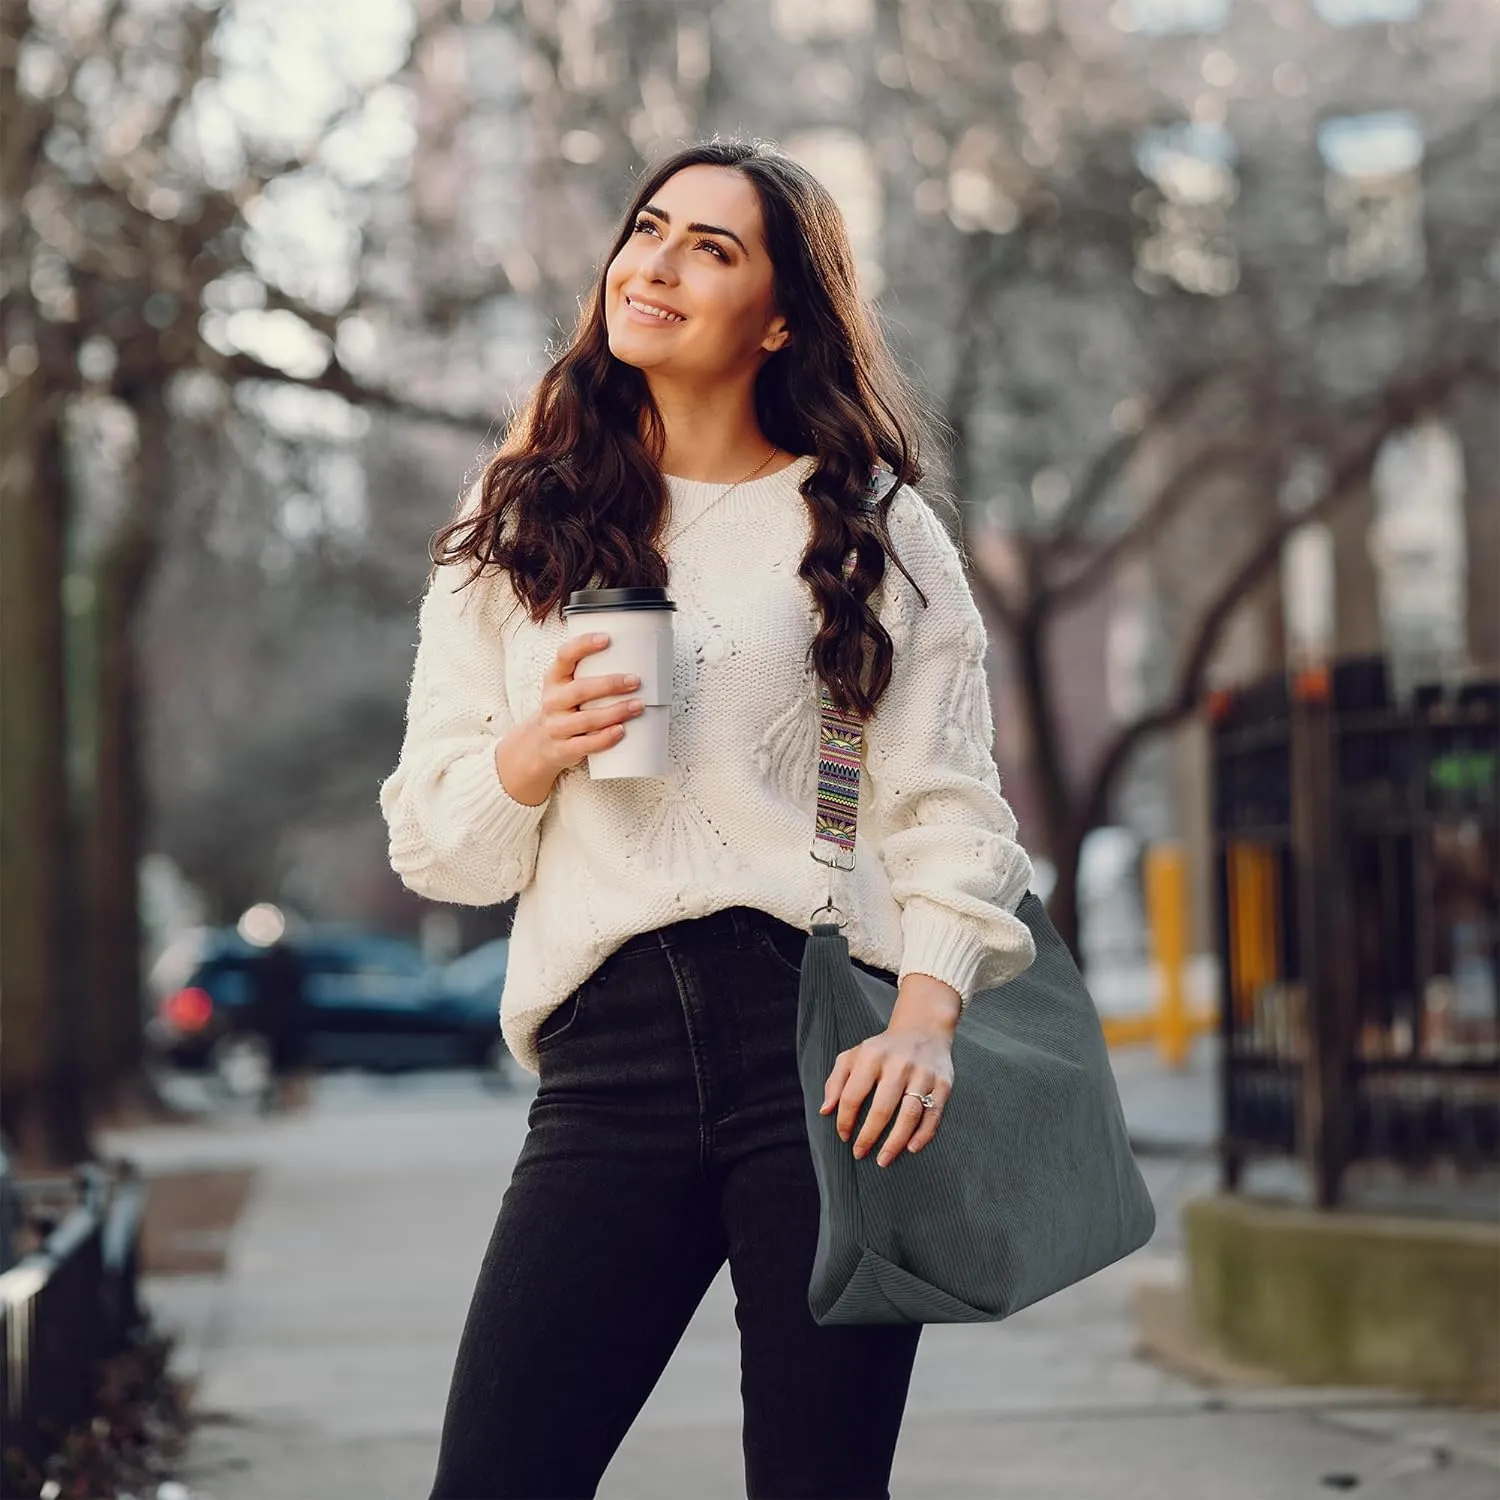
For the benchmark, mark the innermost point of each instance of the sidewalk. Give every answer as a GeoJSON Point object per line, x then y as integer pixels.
{"type": "Point", "coordinates": [322, 1353]}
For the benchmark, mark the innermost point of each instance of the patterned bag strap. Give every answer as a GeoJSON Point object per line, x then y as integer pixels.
{"type": "Point", "coordinates": [841, 744]}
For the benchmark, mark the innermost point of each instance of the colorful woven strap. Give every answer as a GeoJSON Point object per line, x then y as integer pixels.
{"type": "Point", "coordinates": [841, 745]}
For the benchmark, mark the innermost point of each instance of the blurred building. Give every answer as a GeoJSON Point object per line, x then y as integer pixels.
{"type": "Point", "coordinates": [1364, 121]}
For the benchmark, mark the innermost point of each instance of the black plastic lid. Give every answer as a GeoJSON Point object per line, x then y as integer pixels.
{"type": "Point", "coordinates": [594, 601]}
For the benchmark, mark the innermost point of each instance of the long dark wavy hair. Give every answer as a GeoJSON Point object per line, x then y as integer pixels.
{"type": "Point", "coordinates": [574, 497]}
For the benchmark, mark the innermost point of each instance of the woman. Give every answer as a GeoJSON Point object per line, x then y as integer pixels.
{"type": "Point", "coordinates": [712, 427]}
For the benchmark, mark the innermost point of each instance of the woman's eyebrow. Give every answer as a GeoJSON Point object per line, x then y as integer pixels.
{"type": "Point", "coordinates": [666, 219]}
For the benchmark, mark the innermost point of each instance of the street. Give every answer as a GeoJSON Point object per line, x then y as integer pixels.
{"type": "Point", "coordinates": [322, 1351]}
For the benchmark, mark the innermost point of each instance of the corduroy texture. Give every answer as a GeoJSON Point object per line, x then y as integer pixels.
{"type": "Point", "coordinates": [1029, 1184]}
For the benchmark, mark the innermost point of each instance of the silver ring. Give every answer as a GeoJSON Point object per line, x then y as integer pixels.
{"type": "Point", "coordinates": [925, 1100]}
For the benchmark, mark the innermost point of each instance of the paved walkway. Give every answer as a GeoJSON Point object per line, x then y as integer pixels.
{"type": "Point", "coordinates": [322, 1354]}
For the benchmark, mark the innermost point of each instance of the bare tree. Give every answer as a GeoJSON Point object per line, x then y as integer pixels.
{"type": "Point", "coordinates": [127, 198]}
{"type": "Point", "coordinates": [1090, 263]}
{"type": "Point", "coordinates": [40, 979]}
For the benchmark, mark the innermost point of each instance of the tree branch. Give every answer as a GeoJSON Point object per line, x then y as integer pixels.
{"type": "Point", "coordinates": [1400, 406]}
{"type": "Point", "coordinates": [27, 123]}
{"type": "Point", "coordinates": [963, 393]}
{"type": "Point", "coordinates": [201, 26]}
{"type": "Point", "coordinates": [326, 323]}
{"type": "Point", "coordinates": [1169, 501]}
{"type": "Point", "coordinates": [1104, 472]}
{"type": "Point", "coordinates": [336, 379]}
{"type": "Point", "coordinates": [262, 168]}
{"type": "Point", "coordinates": [1459, 143]}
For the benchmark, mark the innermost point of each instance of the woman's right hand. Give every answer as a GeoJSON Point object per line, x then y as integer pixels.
{"type": "Point", "coordinates": [564, 731]}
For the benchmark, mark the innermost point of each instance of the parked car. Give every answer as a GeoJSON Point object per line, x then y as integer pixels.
{"type": "Point", "coordinates": [478, 976]}
{"type": "Point", "coordinates": [373, 1002]}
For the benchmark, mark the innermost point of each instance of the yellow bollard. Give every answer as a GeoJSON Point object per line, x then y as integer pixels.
{"type": "Point", "coordinates": [1166, 906]}
{"type": "Point", "coordinates": [1254, 931]}
{"type": "Point", "coordinates": [1244, 929]}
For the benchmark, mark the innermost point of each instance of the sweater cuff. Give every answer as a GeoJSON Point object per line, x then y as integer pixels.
{"type": "Point", "coordinates": [941, 944]}
{"type": "Point", "coordinates": [476, 807]}
{"type": "Point", "coordinates": [407, 849]}
{"type": "Point", "coordinates": [465, 810]}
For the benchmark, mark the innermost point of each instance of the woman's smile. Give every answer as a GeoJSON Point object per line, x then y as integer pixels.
{"type": "Point", "coordinates": [653, 312]}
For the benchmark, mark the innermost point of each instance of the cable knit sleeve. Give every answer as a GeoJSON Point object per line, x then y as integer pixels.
{"type": "Point", "coordinates": [456, 834]}
{"type": "Point", "coordinates": [950, 850]}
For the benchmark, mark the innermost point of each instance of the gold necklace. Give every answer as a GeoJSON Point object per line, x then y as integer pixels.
{"type": "Point", "coordinates": [728, 490]}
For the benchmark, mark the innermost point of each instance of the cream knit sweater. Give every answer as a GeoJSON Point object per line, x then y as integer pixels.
{"type": "Point", "coordinates": [938, 871]}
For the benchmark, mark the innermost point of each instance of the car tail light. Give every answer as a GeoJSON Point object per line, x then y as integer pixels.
{"type": "Point", "coordinates": [188, 1010]}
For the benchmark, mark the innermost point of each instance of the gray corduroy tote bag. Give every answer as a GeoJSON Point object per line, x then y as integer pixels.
{"type": "Point", "coordinates": [1029, 1184]}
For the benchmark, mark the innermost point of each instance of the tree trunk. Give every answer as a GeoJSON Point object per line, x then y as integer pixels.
{"type": "Point", "coordinates": [41, 1095]}
{"type": "Point", "coordinates": [1062, 906]}
{"type": "Point", "coordinates": [113, 1002]}
{"type": "Point", "coordinates": [1058, 811]}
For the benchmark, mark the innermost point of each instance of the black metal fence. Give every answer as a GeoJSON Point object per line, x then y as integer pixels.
{"type": "Point", "coordinates": [1357, 847]}
{"type": "Point", "coordinates": [69, 1302]}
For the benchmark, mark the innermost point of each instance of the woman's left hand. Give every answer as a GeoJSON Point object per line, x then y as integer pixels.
{"type": "Point", "coordinates": [913, 1055]}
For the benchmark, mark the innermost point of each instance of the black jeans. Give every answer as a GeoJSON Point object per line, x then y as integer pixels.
{"type": "Point", "coordinates": [667, 1135]}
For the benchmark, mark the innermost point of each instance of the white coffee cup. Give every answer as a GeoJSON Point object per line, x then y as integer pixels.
{"type": "Point", "coordinates": [638, 622]}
